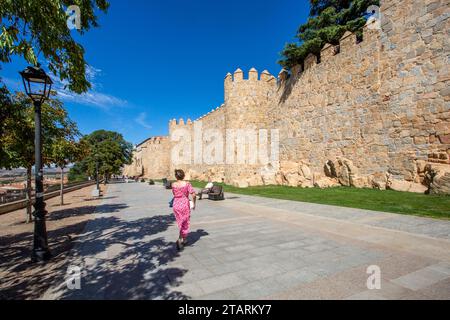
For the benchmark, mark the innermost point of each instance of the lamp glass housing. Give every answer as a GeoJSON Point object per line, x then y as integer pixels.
{"type": "Point", "coordinates": [37, 83]}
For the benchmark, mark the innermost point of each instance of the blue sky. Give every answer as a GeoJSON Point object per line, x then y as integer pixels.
{"type": "Point", "coordinates": [151, 61]}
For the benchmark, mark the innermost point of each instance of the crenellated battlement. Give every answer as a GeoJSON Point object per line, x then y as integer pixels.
{"type": "Point", "coordinates": [219, 108]}
{"type": "Point", "coordinates": [151, 141]}
{"type": "Point", "coordinates": [253, 76]}
{"type": "Point", "coordinates": [348, 44]}
{"type": "Point", "coordinates": [157, 140]}
{"type": "Point", "coordinates": [236, 84]}
{"type": "Point", "coordinates": [180, 122]}
{"type": "Point", "coordinates": [365, 112]}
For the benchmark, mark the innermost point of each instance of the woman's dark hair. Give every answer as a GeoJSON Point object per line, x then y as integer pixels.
{"type": "Point", "coordinates": [179, 174]}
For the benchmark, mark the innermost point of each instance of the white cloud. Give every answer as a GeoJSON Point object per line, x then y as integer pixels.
{"type": "Point", "coordinates": [141, 119]}
{"type": "Point", "coordinates": [93, 97]}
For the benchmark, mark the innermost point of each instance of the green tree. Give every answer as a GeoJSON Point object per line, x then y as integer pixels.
{"type": "Point", "coordinates": [78, 172]}
{"type": "Point", "coordinates": [31, 27]}
{"type": "Point", "coordinates": [109, 149]}
{"type": "Point", "coordinates": [328, 21]}
{"type": "Point", "coordinates": [7, 111]}
{"type": "Point", "coordinates": [18, 138]}
{"type": "Point", "coordinates": [18, 142]}
{"type": "Point", "coordinates": [66, 150]}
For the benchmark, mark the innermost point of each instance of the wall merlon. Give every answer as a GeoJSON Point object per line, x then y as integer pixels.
{"type": "Point", "coordinates": [253, 75]}
{"type": "Point", "coordinates": [310, 60]}
{"type": "Point", "coordinates": [228, 78]}
{"type": "Point", "coordinates": [238, 75]}
{"type": "Point", "coordinates": [265, 75]}
{"type": "Point", "coordinates": [328, 51]}
{"type": "Point", "coordinates": [370, 34]}
{"type": "Point", "coordinates": [272, 80]}
{"type": "Point", "coordinates": [283, 75]}
{"type": "Point", "coordinates": [347, 42]}
{"type": "Point", "coordinates": [296, 70]}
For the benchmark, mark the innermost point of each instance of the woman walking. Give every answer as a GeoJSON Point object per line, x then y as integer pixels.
{"type": "Point", "coordinates": [181, 205]}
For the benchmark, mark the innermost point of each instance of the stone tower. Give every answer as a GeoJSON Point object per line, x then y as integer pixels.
{"type": "Point", "coordinates": [246, 105]}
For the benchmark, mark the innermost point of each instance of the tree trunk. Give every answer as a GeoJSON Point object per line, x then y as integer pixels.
{"type": "Point", "coordinates": [61, 189]}
{"type": "Point", "coordinates": [28, 193]}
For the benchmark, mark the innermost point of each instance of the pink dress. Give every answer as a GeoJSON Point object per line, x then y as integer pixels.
{"type": "Point", "coordinates": [181, 207]}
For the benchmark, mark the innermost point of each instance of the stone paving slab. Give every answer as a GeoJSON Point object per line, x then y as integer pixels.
{"type": "Point", "coordinates": [414, 224]}
{"type": "Point", "coordinates": [253, 248]}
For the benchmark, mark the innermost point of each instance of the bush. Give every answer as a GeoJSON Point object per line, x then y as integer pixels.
{"type": "Point", "coordinates": [76, 174]}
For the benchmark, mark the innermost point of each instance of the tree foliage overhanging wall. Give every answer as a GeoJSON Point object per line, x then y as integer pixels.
{"type": "Point", "coordinates": [328, 21]}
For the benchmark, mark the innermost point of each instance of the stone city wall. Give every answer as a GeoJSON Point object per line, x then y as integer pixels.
{"type": "Point", "coordinates": [373, 113]}
{"type": "Point", "coordinates": [199, 169]}
{"type": "Point", "coordinates": [150, 159]}
{"type": "Point", "coordinates": [370, 112]}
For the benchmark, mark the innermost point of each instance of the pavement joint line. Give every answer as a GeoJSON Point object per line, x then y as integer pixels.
{"type": "Point", "coordinates": [348, 223]}
{"type": "Point", "coordinates": [289, 211]}
{"type": "Point", "coordinates": [225, 220]}
{"type": "Point", "coordinates": [391, 214]}
{"type": "Point", "coordinates": [372, 219]}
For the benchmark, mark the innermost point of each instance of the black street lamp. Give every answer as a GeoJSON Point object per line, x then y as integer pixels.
{"type": "Point", "coordinates": [96, 191]}
{"type": "Point", "coordinates": [96, 171]}
{"type": "Point", "coordinates": [37, 86]}
{"type": "Point", "coordinates": [96, 174]}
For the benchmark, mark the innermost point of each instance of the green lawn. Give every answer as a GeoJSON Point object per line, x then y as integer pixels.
{"type": "Point", "coordinates": [371, 199]}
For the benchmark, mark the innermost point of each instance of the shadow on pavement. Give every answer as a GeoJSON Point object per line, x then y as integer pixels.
{"type": "Point", "coordinates": [194, 236]}
{"type": "Point", "coordinates": [105, 208]}
{"type": "Point", "coordinates": [127, 259]}
{"type": "Point", "coordinates": [21, 279]}
{"type": "Point", "coordinates": [136, 265]}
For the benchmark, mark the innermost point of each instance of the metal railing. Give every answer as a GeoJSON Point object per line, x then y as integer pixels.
{"type": "Point", "coordinates": [20, 204]}
{"type": "Point", "coordinates": [21, 194]}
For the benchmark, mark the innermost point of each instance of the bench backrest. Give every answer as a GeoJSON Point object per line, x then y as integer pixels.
{"type": "Point", "coordinates": [216, 189]}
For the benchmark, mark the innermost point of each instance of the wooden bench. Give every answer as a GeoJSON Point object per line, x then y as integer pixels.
{"type": "Point", "coordinates": [216, 193]}
{"type": "Point", "coordinates": [166, 183]}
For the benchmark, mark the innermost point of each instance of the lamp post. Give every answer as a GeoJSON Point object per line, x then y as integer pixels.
{"type": "Point", "coordinates": [96, 174]}
{"type": "Point", "coordinates": [96, 191]}
{"type": "Point", "coordinates": [37, 86]}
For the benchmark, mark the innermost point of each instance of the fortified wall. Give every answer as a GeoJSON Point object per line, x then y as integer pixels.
{"type": "Point", "coordinates": [151, 159]}
{"type": "Point", "coordinates": [371, 112]}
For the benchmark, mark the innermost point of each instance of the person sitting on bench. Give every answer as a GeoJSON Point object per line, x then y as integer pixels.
{"type": "Point", "coordinates": [206, 189]}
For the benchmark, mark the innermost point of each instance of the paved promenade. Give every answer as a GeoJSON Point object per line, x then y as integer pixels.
{"type": "Point", "coordinates": [254, 248]}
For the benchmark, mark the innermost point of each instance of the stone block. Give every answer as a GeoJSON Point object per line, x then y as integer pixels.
{"type": "Point", "coordinates": [378, 180]}
{"type": "Point", "coordinates": [406, 186]}
{"type": "Point", "coordinates": [326, 182]}
{"type": "Point", "coordinates": [438, 176]}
